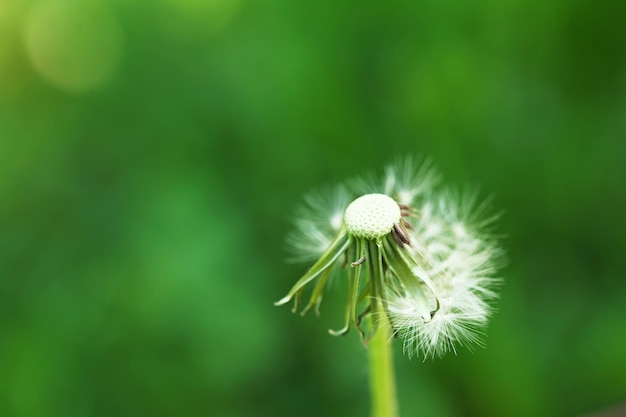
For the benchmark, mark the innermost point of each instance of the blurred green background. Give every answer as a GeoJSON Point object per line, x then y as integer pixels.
{"type": "Point", "coordinates": [152, 153]}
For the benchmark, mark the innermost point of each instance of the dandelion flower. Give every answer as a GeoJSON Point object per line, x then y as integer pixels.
{"type": "Point", "coordinates": [417, 259]}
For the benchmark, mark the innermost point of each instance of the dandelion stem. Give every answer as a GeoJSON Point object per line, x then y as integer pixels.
{"type": "Point", "coordinates": [382, 378]}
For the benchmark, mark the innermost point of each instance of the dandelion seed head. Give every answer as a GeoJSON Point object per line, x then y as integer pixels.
{"type": "Point", "coordinates": [428, 250]}
{"type": "Point", "coordinates": [372, 216]}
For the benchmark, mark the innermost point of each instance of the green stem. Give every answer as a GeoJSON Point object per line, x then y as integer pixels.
{"type": "Point", "coordinates": [382, 380]}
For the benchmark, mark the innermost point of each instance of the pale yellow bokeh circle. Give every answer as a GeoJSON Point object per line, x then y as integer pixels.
{"type": "Point", "coordinates": [76, 45]}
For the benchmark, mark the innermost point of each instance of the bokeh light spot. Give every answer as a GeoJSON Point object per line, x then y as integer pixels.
{"type": "Point", "coordinates": [74, 45]}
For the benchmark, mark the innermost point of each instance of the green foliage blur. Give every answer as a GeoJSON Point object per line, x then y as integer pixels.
{"type": "Point", "coordinates": [152, 154]}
